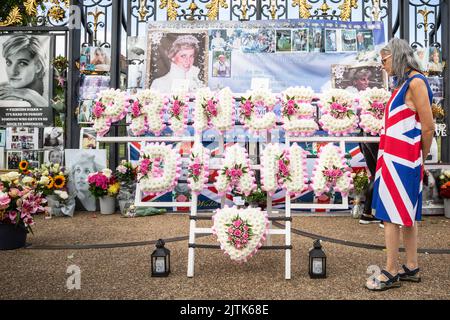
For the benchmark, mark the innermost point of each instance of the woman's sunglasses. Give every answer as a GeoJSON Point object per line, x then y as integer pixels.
{"type": "Point", "coordinates": [383, 61]}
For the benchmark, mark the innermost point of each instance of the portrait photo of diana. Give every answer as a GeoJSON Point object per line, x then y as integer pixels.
{"type": "Point", "coordinates": [24, 70]}
{"type": "Point", "coordinates": [175, 57]}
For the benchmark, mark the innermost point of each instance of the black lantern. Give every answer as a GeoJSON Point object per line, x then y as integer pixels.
{"type": "Point", "coordinates": [317, 261]}
{"type": "Point", "coordinates": [160, 260]}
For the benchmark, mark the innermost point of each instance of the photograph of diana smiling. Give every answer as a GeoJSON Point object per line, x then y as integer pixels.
{"type": "Point", "coordinates": [24, 75]}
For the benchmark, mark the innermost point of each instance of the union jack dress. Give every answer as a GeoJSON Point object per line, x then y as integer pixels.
{"type": "Point", "coordinates": [397, 195]}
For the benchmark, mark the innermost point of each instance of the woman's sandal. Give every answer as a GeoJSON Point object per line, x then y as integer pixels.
{"type": "Point", "coordinates": [410, 275]}
{"type": "Point", "coordinates": [391, 283]}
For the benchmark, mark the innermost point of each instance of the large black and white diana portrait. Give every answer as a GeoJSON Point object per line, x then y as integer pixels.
{"type": "Point", "coordinates": [176, 57]}
{"type": "Point", "coordinates": [24, 70]}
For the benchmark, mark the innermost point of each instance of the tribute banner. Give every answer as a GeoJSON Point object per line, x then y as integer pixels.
{"type": "Point", "coordinates": [26, 117]}
{"type": "Point", "coordinates": [287, 52]}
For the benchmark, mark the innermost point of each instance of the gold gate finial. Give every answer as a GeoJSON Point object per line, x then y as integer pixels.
{"type": "Point", "coordinates": [172, 7]}
{"type": "Point", "coordinates": [142, 10]}
{"type": "Point", "coordinates": [96, 16]}
{"type": "Point", "coordinates": [304, 8]}
{"type": "Point", "coordinates": [244, 9]}
{"type": "Point", "coordinates": [346, 9]}
{"type": "Point", "coordinates": [214, 7]}
{"type": "Point", "coordinates": [425, 12]}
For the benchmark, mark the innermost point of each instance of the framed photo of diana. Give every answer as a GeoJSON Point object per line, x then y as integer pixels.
{"type": "Point", "coordinates": [25, 71]}
{"type": "Point", "coordinates": [176, 57]}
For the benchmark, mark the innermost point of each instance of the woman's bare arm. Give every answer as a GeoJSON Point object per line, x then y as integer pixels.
{"type": "Point", "coordinates": [419, 97]}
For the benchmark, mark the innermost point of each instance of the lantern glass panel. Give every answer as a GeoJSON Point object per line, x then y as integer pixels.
{"type": "Point", "coordinates": [317, 266]}
{"type": "Point", "coordinates": [159, 265]}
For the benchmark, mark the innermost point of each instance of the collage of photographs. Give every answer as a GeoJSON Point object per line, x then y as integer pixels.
{"type": "Point", "coordinates": [430, 60]}
{"type": "Point", "coordinates": [223, 42]}
{"type": "Point", "coordinates": [24, 144]}
{"type": "Point", "coordinates": [95, 64]}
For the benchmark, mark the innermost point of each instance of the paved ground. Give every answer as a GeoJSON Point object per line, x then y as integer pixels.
{"type": "Point", "coordinates": [123, 273]}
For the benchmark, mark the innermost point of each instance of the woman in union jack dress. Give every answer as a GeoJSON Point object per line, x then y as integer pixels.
{"type": "Point", "coordinates": [404, 144]}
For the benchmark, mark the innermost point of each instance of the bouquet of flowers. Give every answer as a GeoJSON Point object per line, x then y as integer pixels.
{"type": "Point", "coordinates": [373, 103]}
{"type": "Point", "coordinates": [19, 202]}
{"type": "Point", "coordinates": [103, 183]}
{"type": "Point", "coordinates": [257, 198]}
{"type": "Point", "coordinates": [126, 172]}
{"type": "Point", "coordinates": [444, 184]}
{"type": "Point", "coordinates": [360, 181]}
{"type": "Point", "coordinates": [50, 178]}
{"type": "Point", "coordinates": [239, 232]}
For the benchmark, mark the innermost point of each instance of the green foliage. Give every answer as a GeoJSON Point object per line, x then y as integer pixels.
{"type": "Point", "coordinates": [7, 5]}
{"type": "Point", "coordinates": [257, 197]}
{"type": "Point", "coordinates": [361, 181]}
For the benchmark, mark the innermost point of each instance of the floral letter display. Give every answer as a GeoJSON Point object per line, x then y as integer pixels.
{"type": "Point", "coordinates": [198, 171]}
{"type": "Point", "coordinates": [178, 113]}
{"type": "Point", "coordinates": [236, 173]}
{"type": "Point", "coordinates": [283, 168]}
{"type": "Point", "coordinates": [373, 103]}
{"type": "Point", "coordinates": [338, 112]}
{"type": "Point", "coordinates": [214, 111]}
{"type": "Point", "coordinates": [298, 112]}
{"type": "Point", "coordinates": [249, 112]}
{"type": "Point", "coordinates": [240, 232]}
{"type": "Point", "coordinates": [159, 169]}
{"type": "Point", "coordinates": [138, 125]}
{"type": "Point", "coordinates": [153, 108]}
{"type": "Point", "coordinates": [111, 106]}
{"type": "Point", "coordinates": [331, 172]}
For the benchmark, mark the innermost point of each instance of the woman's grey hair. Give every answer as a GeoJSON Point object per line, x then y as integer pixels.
{"type": "Point", "coordinates": [402, 59]}
{"type": "Point", "coordinates": [182, 42]}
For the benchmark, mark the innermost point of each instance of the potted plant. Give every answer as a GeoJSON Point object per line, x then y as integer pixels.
{"type": "Point", "coordinates": [444, 190]}
{"type": "Point", "coordinates": [126, 174]}
{"type": "Point", "coordinates": [361, 183]}
{"type": "Point", "coordinates": [19, 202]}
{"type": "Point", "coordinates": [103, 185]}
{"type": "Point", "coordinates": [257, 198]}
{"type": "Point", "coordinates": [52, 181]}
